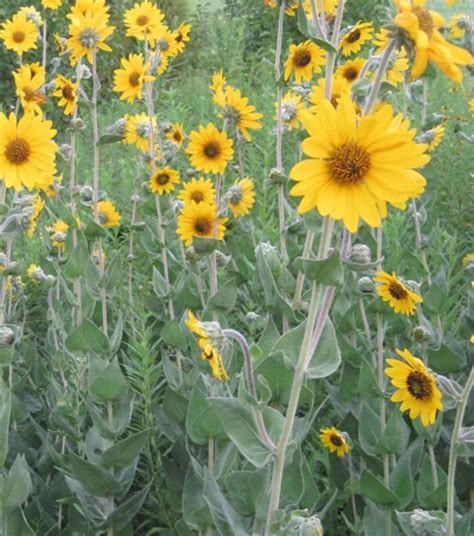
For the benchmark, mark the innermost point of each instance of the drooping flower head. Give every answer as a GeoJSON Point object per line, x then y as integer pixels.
{"type": "Point", "coordinates": [334, 441]}
{"type": "Point", "coordinates": [202, 220]}
{"type": "Point", "coordinates": [291, 107]}
{"type": "Point", "coordinates": [416, 387]}
{"type": "Point", "coordinates": [209, 149]}
{"type": "Point", "coordinates": [400, 298]}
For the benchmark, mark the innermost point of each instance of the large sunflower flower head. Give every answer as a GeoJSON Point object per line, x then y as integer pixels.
{"type": "Point", "coordinates": [27, 151]}
{"type": "Point", "coordinates": [392, 290]}
{"type": "Point", "coordinates": [87, 33]}
{"type": "Point", "coordinates": [143, 21]}
{"type": "Point", "coordinates": [29, 88]}
{"type": "Point", "coordinates": [163, 180]}
{"type": "Point", "coordinates": [334, 441]}
{"type": "Point", "coordinates": [209, 149]}
{"type": "Point", "coordinates": [422, 27]}
{"type": "Point", "coordinates": [107, 214]}
{"type": "Point", "coordinates": [304, 60]}
{"type": "Point", "coordinates": [198, 191]}
{"type": "Point", "coordinates": [237, 110]}
{"type": "Point", "coordinates": [200, 219]}
{"type": "Point", "coordinates": [129, 80]}
{"type": "Point", "coordinates": [240, 197]}
{"type": "Point", "coordinates": [19, 33]}
{"type": "Point", "coordinates": [67, 92]}
{"type": "Point", "coordinates": [357, 165]}
{"type": "Point", "coordinates": [416, 387]}
{"type": "Point", "coordinates": [353, 40]}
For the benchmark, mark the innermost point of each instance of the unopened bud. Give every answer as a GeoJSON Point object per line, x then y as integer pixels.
{"type": "Point", "coordinates": [65, 151]}
{"type": "Point", "coordinates": [277, 176]}
{"type": "Point", "coordinates": [252, 316]}
{"type": "Point", "coordinates": [271, 256]}
{"type": "Point", "coordinates": [421, 334]}
{"type": "Point", "coordinates": [423, 523]}
{"type": "Point", "coordinates": [7, 336]}
{"type": "Point", "coordinates": [84, 73]}
{"type": "Point", "coordinates": [49, 280]}
{"type": "Point", "coordinates": [312, 527]}
{"type": "Point", "coordinates": [361, 254]}
{"type": "Point", "coordinates": [78, 124]}
{"type": "Point", "coordinates": [86, 194]}
{"type": "Point", "coordinates": [366, 285]}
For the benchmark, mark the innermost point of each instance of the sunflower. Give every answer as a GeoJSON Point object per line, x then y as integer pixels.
{"type": "Point", "coordinates": [88, 33]}
{"type": "Point", "coordinates": [165, 42]}
{"type": "Point", "coordinates": [351, 70]}
{"type": "Point", "coordinates": [381, 40]}
{"type": "Point", "coordinates": [433, 137]}
{"type": "Point", "coordinates": [397, 67]}
{"type": "Point", "coordinates": [400, 298]}
{"type": "Point", "coordinates": [237, 110]}
{"type": "Point", "coordinates": [241, 197]}
{"type": "Point", "coordinates": [130, 80]}
{"type": "Point", "coordinates": [354, 39]}
{"type": "Point", "coordinates": [162, 63]}
{"type": "Point", "coordinates": [199, 191]}
{"type": "Point", "coordinates": [200, 219]}
{"type": "Point", "coordinates": [422, 26]}
{"type": "Point", "coordinates": [66, 91]}
{"type": "Point", "coordinates": [27, 152]}
{"type": "Point", "coordinates": [176, 134]}
{"type": "Point", "coordinates": [218, 81]}
{"type": "Point", "coordinates": [291, 108]}
{"type": "Point", "coordinates": [137, 131]}
{"type": "Point", "coordinates": [58, 235]}
{"type": "Point", "coordinates": [330, 7]}
{"type": "Point", "coordinates": [417, 389]}
{"type": "Point", "coordinates": [194, 325]}
{"type": "Point", "coordinates": [51, 4]}
{"type": "Point", "coordinates": [458, 25]}
{"type": "Point", "coordinates": [36, 209]}
{"type": "Point", "coordinates": [35, 273]}
{"type": "Point", "coordinates": [181, 36]}
{"type": "Point", "coordinates": [209, 150]}
{"type": "Point", "coordinates": [31, 13]}
{"type": "Point", "coordinates": [290, 9]}
{"type": "Point", "coordinates": [339, 86]}
{"type": "Point", "coordinates": [19, 34]}
{"type": "Point", "coordinates": [143, 20]}
{"type": "Point", "coordinates": [304, 60]}
{"type": "Point", "coordinates": [107, 214]}
{"type": "Point", "coordinates": [357, 165]}
{"type": "Point", "coordinates": [61, 44]}
{"type": "Point", "coordinates": [29, 88]}
{"type": "Point", "coordinates": [83, 7]}
{"type": "Point", "coordinates": [163, 180]}
{"type": "Point", "coordinates": [52, 186]}
{"type": "Point", "coordinates": [334, 441]}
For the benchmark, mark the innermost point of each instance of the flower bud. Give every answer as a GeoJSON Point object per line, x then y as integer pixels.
{"type": "Point", "coordinates": [277, 176]}
{"type": "Point", "coordinates": [252, 316]}
{"type": "Point", "coordinates": [78, 124]}
{"type": "Point", "coordinates": [49, 280]}
{"type": "Point", "coordinates": [366, 285]}
{"type": "Point", "coordinates": [135, 198]}
{"type": "Point", "coordinates": [271, 256]}
{"type": "Point", "coordinates": [7, 336]}
{"type": "Point", "coordinates": [425, 524]}
{"type": "Point", "coordinates": [65, 151]}
{"type": "Point", "coordinates": [84, 73]}
{"type": "Point", "coordinates": [86, 194]}
{"type": "Point", "coordinates": [421, 334]}
{"type": "Point", "coordinates": [361, 254]}
{"type": "Point", "coordinates": [118, 128]}
{"type": "Point", "coordinates": [312, 527]}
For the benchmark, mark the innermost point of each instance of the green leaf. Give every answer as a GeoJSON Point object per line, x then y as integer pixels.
{"type": "Point", "coordinates": [94, 230]}
{"type": "Point", "coordinates": [373, 488]}
{"type": "Point", "coordinates": [77, 262]}
{"type": "Point", "coordinates": [195, 508]}
{"type": "Point", "coordinates": [113, 275]}
{"type": "Point", "coordinates": [427, 494]}
{"type": "Point", "coordinates": [106, 381]}
{"type": "Point", "coordinates": [202, 421]}
{"type": "Point", "coordinates": [106, 139]}
{"type": "Point", "coordinates": [5, 412]}
{"type": "Point", "coordinates": [95, 479]}
{"type": "Point", "coordinates": [396, 435]}
{"type": "Point", "coordinates": [402, 480]}
{"type": "Point", "coordinates": [159, 284]}
{"type": "Point", "coordinates": [205, 246]}
{"type": "Point", "coordinates": [225, 298]}
{"type": "Point", "coordinates": [87, 337]}
{"type": "Point", "coordinates": [437, 297]}
{"type": "Point", "coordinates": [116, 337]}
{"type": "Point", "coordinates": [173, 335]}
{"type": "Point", "coordinates": [245, 489]}
{"type": "Point", "coordinates": [369, 429]}
{"type": "Point", "coordinates": [17, 485]}
{"type": "Point", "coordinates": [127, 509]}
{"type": "Point", "coordinates": [375, 521]}
{"type": "Point", "coordinates": [447, 358]}
{"type": "Point", "coordinates": [327, 358]}
{"type": "Point", "coordinates": [124, 453]}
{"type": "Point", "coordinates": [16, 523]}
{"type": "Point", "coordinates": [327, 271]}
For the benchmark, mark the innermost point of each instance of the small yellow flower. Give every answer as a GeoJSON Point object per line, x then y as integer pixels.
{"type": "Point", "coordinates": [350, 71]}
{"type": "Point", "coordinates": [397, 67]}
{"type": "Point", "coordinates": [143, 20]}
{"type": "Point", "coordinates": [137, 131]}
{"type": "Point", "coordinates": [66, 92]}
{"type": "Point", "coordinates": [433, 137]}
{"type": "Point", "coordinates": [51, 4]}
{"type": "Point", "coordinates": [291, 107]}
{"type": "Point", "coordinates": [176, 134]}
{"type": "Point", "coordinates": [29, 83]}
{"type": "Point", "coordinates": [58, 235]}
{"type": "Point", "coordinates": [416, 387]}
{"type": "Point", "coordinates": [209, 149]}
{"type": "Point", "coordinates": [163, 181]}
{"type": "Point", "coordinates": [198, 191]}
{"type": "Point", "coordinates": [381, 40]}
{"type": "Point", "coordinates": [19, 34]}
{"type": "Point", "coordinates": [165, 44]}
{"type": "Point", "coordinates": [107, 214]}
{"type": "Point", "coordinates": [218, 81]}
{"type": "Point", "coordinates": [458, 25]}
{"type": "Point", "coordinates": [200, 219]}
{"type": "Point", "coordinates": [354, 39]}
{"type": "Point", "coordinates": [37, 207]}
{"type": "Point", "coordinates": [181, 36]}
{"type": "Point", "coordinates": [240, 197]}
{"type": "Point", "coordinates": [334, 441]}
{"type": "Point", "coordinates": [401, 299]}
{"type": "Point", "coordinates": [304, 60]}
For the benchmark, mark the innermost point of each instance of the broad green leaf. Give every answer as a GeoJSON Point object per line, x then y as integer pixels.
{"type": "Point", "coordinates": [437, 297]}
{"type": "Point", "coordinates": [202, 421]}
{"type": "Point", "coordinates": [369, 429]}
{"type": "Point", "coordinates": [429, 496]}
{"type": "Point", "coordinates": [395, 436]}
{"type": "Point", "coordinates": [373, 488]}
{"type": "Point", "coordinates": [87, 337]}
{"type": "Point", "coordinates": [195, 508]}
{"type": "Point", "coordinates": [172, 334]}
{"type": "Point", "coordinates": [95, 508]}
{"type": "Point", "coordinates": [116, 337]}
{"type": "Point", "coordinates": [106, 380]}
{"type": "Point", "coordinates": [17, 484]}
{"type": "Point", "coordinates": [327, 358]}
{"type": "Point", "coordinates": [205, 246]}
{"type": "Point", "coordinates": [123, 453]}
{"type": "Point", "coordinates": [327, 271]}
{"type": "Point", "coordinates": [77, 262]}
{"type": "Point", "coordinates": [16, 524]}
{"type": "Point", "coordinates": [106, 139]}
{"type": "Point", "coordinates": [402, 480]}
{"type": "Point", "coordinates": [95, 479]}
{"type": "Point", "coordinates": [225, 298]}
{"type": "Point", "coordinates": [159, 284]}
{"type": "Point", "coordinates": [374, 522]}
{"type": "Point", "coordinates": [5, 412]}
{"type": "Point", "coordinates": [127, 509]}
{"type": "Point", "coordinates": [447, 358]}
{"type": "Point", "coordinates": [245, 489]}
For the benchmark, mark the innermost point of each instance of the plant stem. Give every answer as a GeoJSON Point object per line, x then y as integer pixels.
{"type": "Point", "coordinates": [453, 452]}
{"type": "Point", "coordinates": [45, 41]}
{"type": "Point", "coordinates": [379, 77]}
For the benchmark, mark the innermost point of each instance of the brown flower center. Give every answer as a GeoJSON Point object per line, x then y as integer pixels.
{"type": "Point", "coordinates": [419, 385]}
{"type": "Point", "coordinates": [177, 136]}
{"type": "Point", "coordinates": [68, 93]}
{"type": "Point", "coordinates": [134, 79]}
{"type": "Point", "coordinates": [302, 58]}
{"type": "Point", "coordinates": [351, 74]}
{"type": "Point", "coordinates": [142, 20]}
{"type": "Point", "coordinates": [17, 151]}
{"type": "Point", "coordinates": [397, 291]}
{"type": "Point", "coordinates": [349, 163]}
{"type": "Point", "coordinates": [336, 441]}
{"type": "Point", "coordinates": [197, 197]}
{"type": "Point", "coordinates": [202, 226]}
{"type": "Point", "coordinates": [353, 36]}
{"type": "Point", "coordinates": [212, 150]}
{"type": "Point", "coordinates": [162, 178]}
{"type": "Point", "coordinates": [18, 36]}
{"type": "Point", "coordinates": [425, 20]}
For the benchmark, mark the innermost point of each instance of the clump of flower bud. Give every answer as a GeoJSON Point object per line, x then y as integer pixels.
{"type": "Point", "coordinates": [361, 254]}
{"type": "Point", "coordinates": [366, 285]}
{"type": "Point", "coordinates": [423, 523]}
{"type": "Point", "coordinates": [421, 334]}
{"type": "Point", "coordinates": [271, 256]}
{"type": "Point", "coordinates": [65, 151]}
{"type": "Point", "coordinates": [7, 336]}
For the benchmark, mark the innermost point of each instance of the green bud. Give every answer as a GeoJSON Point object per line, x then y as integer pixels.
{"type": "Point", "coordinates": [423, 523]}
{"type": "Point", "coordinates": [7, 336]}
{"type": "Point", "coordinates": [361, 254]}
{"type": "Point", "coordinates": [421, 334]}
{"type": "Point", "coordinates": [366, 285]}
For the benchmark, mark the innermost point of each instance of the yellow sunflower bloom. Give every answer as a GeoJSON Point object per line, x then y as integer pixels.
{"type": "Point", "coordinates": [66, 91]}
{"type": "Point", "coordinates": [291, 107]}
{"type": "Point", "coordinates": [176, 134]}
{"type": "Point", "coordinates": [137, 131]}
{"type": "Point", "coordinates": [351, 70]}
{"type": "Point", "coordinates": [107, 214]}
{"type": "Point", "coordinates": [88, 33]}
{"type": "Point", "coordinates": [51, 4]}
{"type": "Point", "coordinates": [209, 149]}
{"type": "Point", "coordinates": [433, 137]}
{"type": "Point", "coordinates": [416, 387]}
{"type": "Point", "coordinates": [162, 64]}
{"type": "Point", "coordinates": [330, 7]}
{"type": "Point", "coordinates": [29, 84]}
{"type": "Point", "coordinates": [93, 7]}
{"type": "Point", "coordinates": [130, 80]}
{"type": "Point", "coordinates": [181, 36]}
{"type": "Point", "coordinates": [218, 81]}
{"type": "Point", "coordinates": [198, 191]}
{"type": "Point", "coordinates": [357, 164]}
{"type": "Point", "coordinates": [240, 197]}
{"type": "Point", "coordinates": [165, 42]}
{"type": "Point", "coordinates": [27, 150]}
{"type": "Point", "coordinates": [400, 298]}
{"type": "Point", "coordinates": [143, 20]}
{"type": "Point", "coordinates": [164, 180]}
{"type": "Point", "coordinates": [200, 219]}
{"type": "Point", "coordinates": [339, 86]}
{"type": "Point", "coordinates": [19, 34]}
{"type": "Point", "coordinates": [458, 25]}
{"type": "Point", "coordinates": [58, 236]}
{"type": "Point", "coordinates": [31, 13]}
{"type": "Point", "coordinates": [304, 60]}
{"type": "Point", "coordinates": [422, 26]}
{"type": "Point", "coordinates": [194, 325]}
{"type": "Point", "coordinates": [334, 441]}
{"type": "Point", "coordinates": [237, 110]}
{"type": "Point", "coordinates": [397, 67]}
{"type": "Point", "coordinates": [381, 40]}
{"type": "Point", "coordinates": [36, 209]}
{"type": "Point", "coordinates": [51, 186]}
{"type": "Point", "coordinates": [353, 40]}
